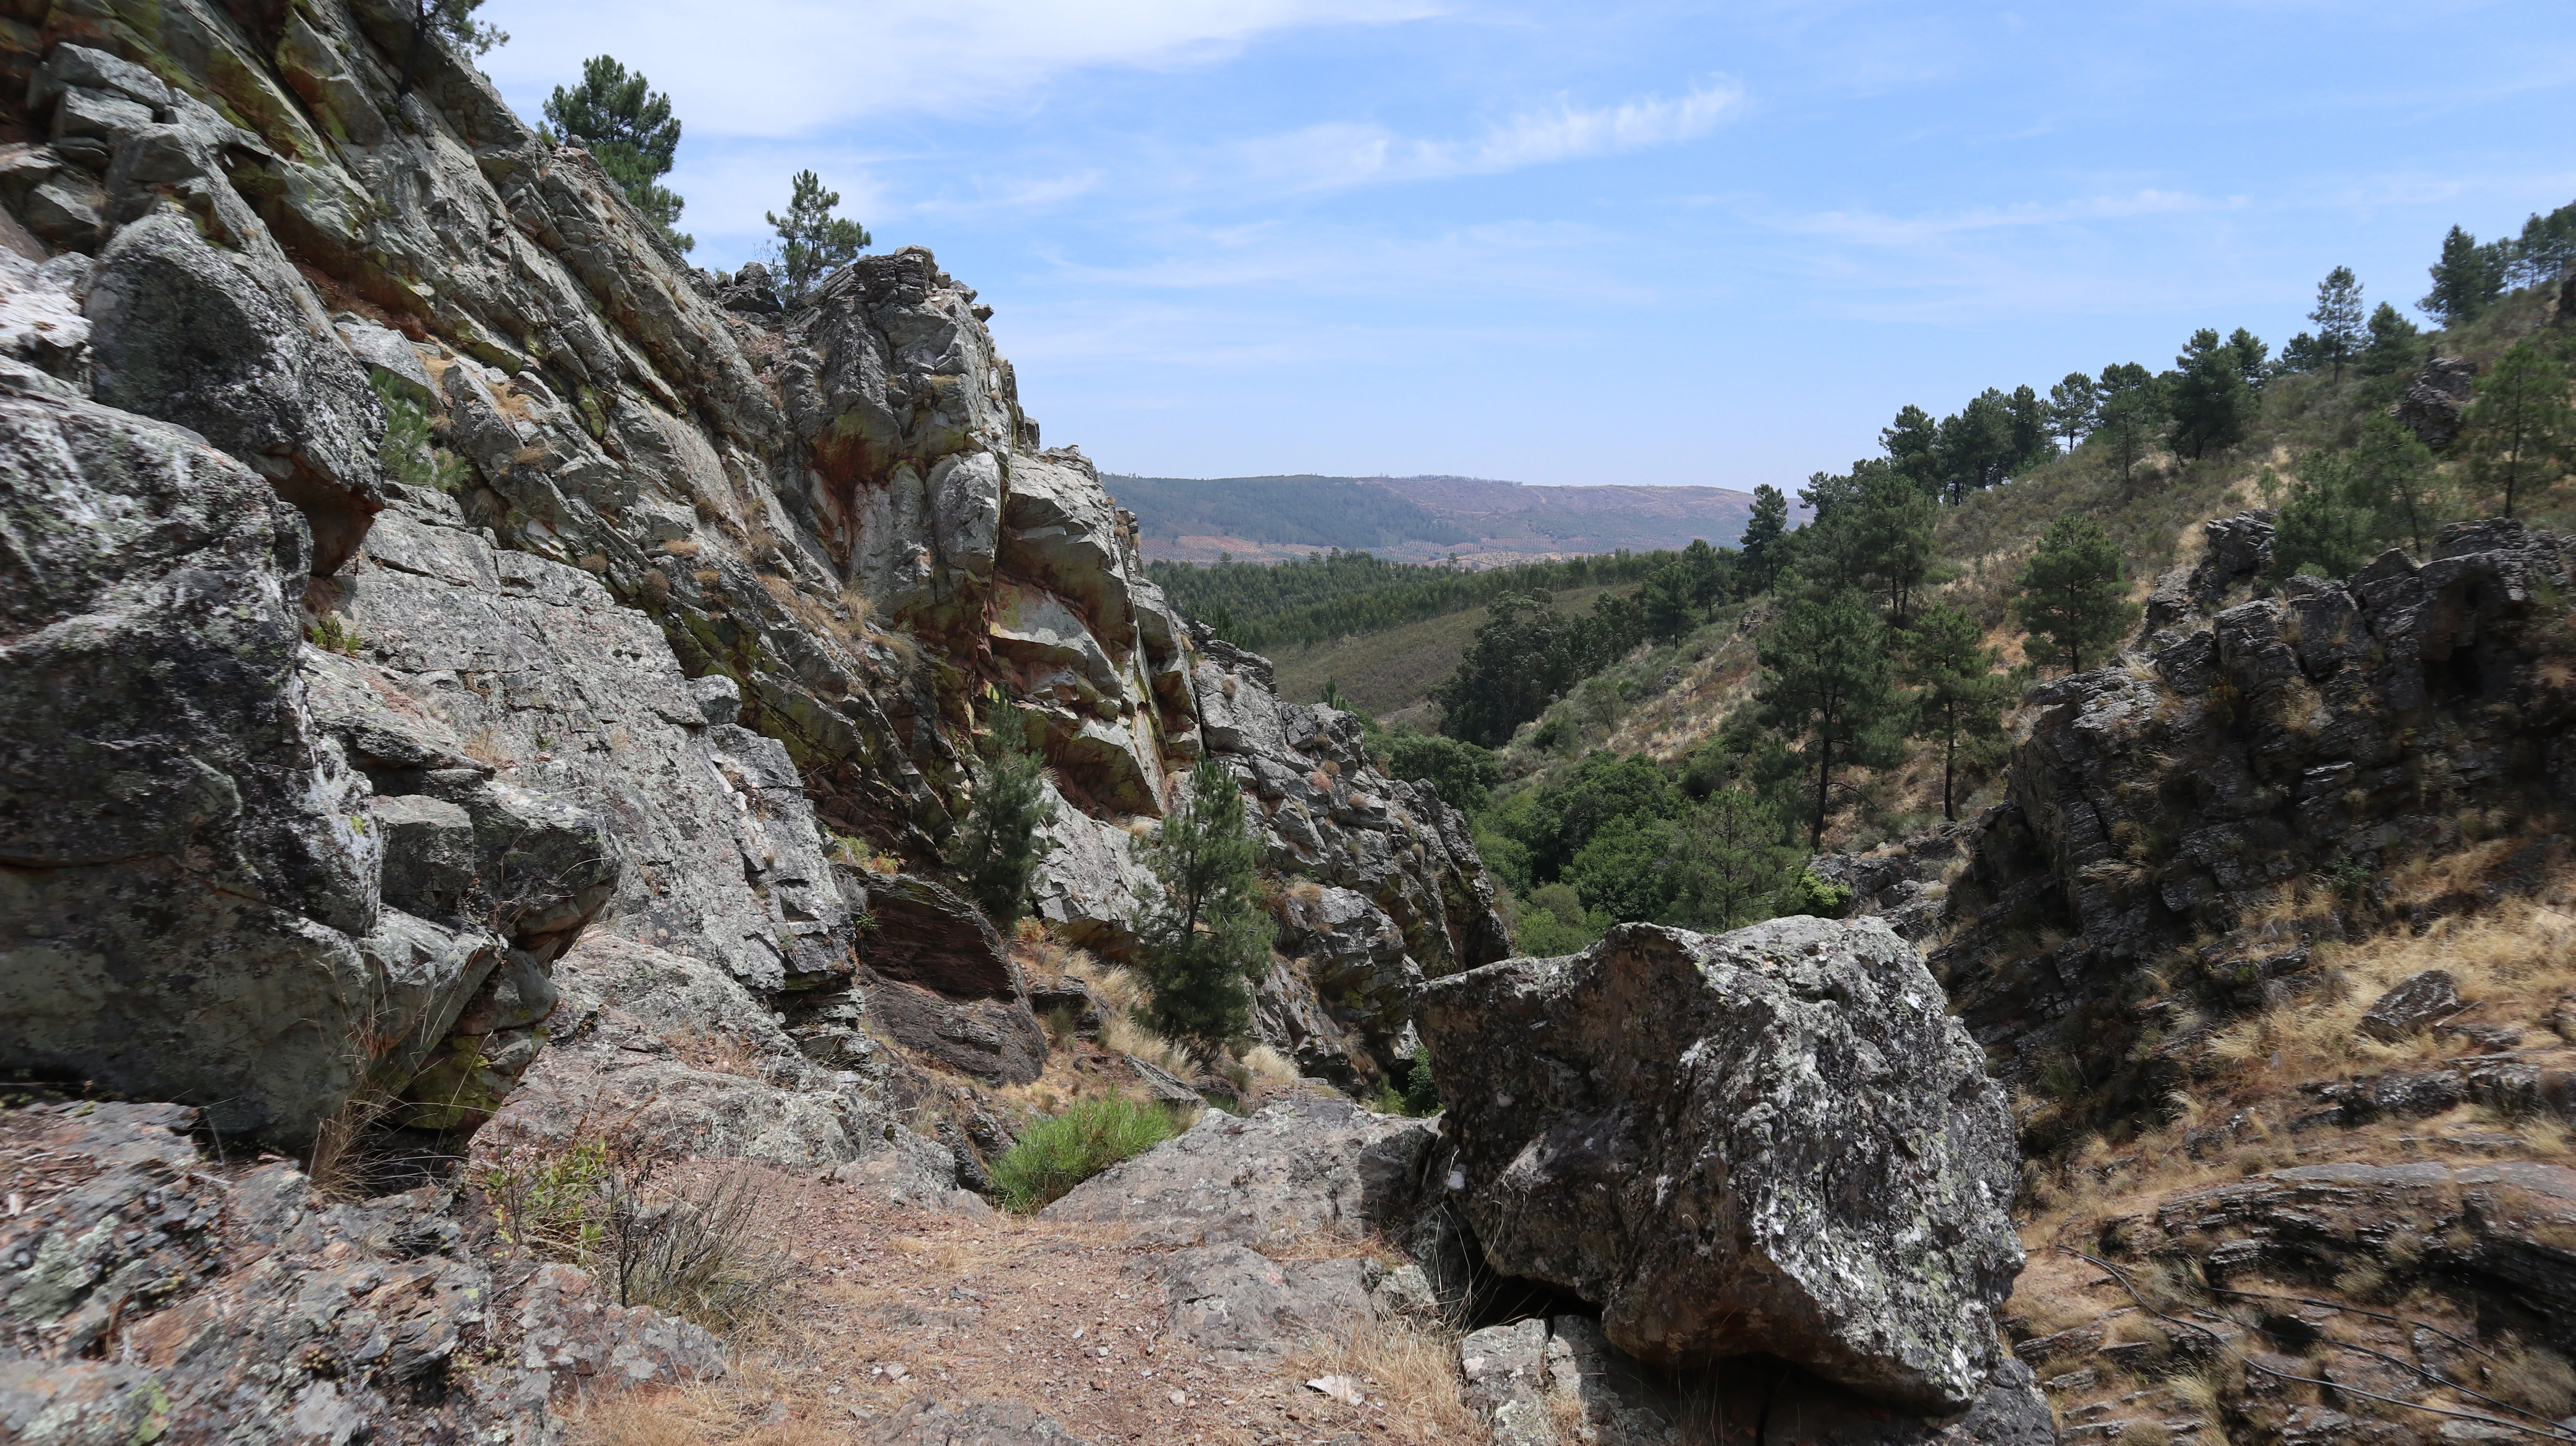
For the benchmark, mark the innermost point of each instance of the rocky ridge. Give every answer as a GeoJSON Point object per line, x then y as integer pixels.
{"type": "Point", "coordinates": [521, 779]}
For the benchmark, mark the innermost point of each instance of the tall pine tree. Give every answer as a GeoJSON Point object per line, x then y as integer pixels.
{"type": "Point", "coordinates": [2466, 280]}
{"type": "Point", "coordinates": [997, 848]}
{"type": "Point", "coordinates": [1959, 698]}
{"type": "Point", "coordinates": [1208, 934]}
{"type": "Point", "coordinates": [2339, 319]}
{"type": "Point", "coordinates": [812, 242]}
{"type": "Point", "coordinates": [1825, 687]}
{"type": "Point", "coordinates": [2073, 592]}
{"type": "Point", "coordinates": [1763, 532]}
{"type": "Point", "coordinates": [628, 128]}
{"type": "Point", "coordinates": [2211, 403]}
{"type": "Point", "coordinates": [2071, 407]}
{"type": "Point", "coordinates": [2519, 433]}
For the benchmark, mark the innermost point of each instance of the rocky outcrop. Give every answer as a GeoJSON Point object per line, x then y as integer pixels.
{"type": "Point", "coordinates": [2435, 400]}
{"type": "Point", "coordinates": [527, 772]}
{"type": "Point", "coordinates": [1289, 1172]}
{"type": "Point", "coordinates": [197, 907]}
{"type": "Point", "coordinates": [705, 584]}
{"type": "Point", "coordinates": [1906, 884]}
{"type": "Point", "coordinates": [152, 1298]}
{"type": "Point", "coordinates": [1532, 1375]}
{"type": "Point", "coordinates": [2329, 731]}
{"type": "Point", "coordinates": [1773, 1140]}
{"type": "Point", "coordinates": [2235, 551]}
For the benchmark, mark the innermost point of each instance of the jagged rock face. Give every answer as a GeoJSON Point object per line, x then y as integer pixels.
{"type": "Point", "coordinates": [155, 1300]}
{"type": "Point", "coordinates": [2436, 398]}
{"type": "Point", "coordinates": [2496, 1232]}
{"type": "Point", "coordinates": [706, 588]}
{"type": "Point", "coordinates": [194, 908]}
{"type": "Point", "coordinates": [1769, 1141]}
{"type": "Point", "coordinates": [2335, 724]}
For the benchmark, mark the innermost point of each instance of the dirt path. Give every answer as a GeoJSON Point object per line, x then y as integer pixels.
{"type": "Point", "coordinates": [893, 1302]}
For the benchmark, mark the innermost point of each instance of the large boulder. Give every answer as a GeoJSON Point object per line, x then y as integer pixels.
{"type": "Point", "coordinates": [1769, 1141]}
{"type": "Point", "coordinates": [158, 1297]}
{"type": "Point", "coordinates": [189, 871]}
{"type": "Point", "coordinates": [190, 333]}
{"type": "Point", "coordinates": [1291, 1172]}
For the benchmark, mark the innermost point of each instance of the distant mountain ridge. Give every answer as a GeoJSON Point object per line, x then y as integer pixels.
{"type": "Point", "coordinates": [1483, 522]}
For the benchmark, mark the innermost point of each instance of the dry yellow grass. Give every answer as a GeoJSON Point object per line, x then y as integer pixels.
{"type": "Point", "coordinates": [1408, 1369]}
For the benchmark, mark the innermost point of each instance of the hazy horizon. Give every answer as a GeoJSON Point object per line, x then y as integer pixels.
{"type": "Point", "coordinates": [1703, 245]}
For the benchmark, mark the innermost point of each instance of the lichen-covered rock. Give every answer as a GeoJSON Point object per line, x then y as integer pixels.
{"type": "Point", "coordinates": [1245, 1308]}
{"type": "Point", "coordinates": [1773, 1140]}
{"type": "Point", "coordinates": [1289, 1172]}
{"type": "Point", "coordinates": [2417, 1003]}
{"type": "Point", "coordinates": [2435, 398]}
{"type": "Point", "coordinates": [191, 867]}
{"type": "Point", "coordinates": [2334, 728]}
{"type": "Point", "coordinates": [192, 334]}
{"type": "Point", "coordinates": [248, 1308]}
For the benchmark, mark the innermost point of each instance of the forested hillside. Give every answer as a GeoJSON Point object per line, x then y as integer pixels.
{"type": "Point", "coordinates": [1304, 601]}
{"type": "Point", "coordinates": [1470, 520]}
{"type": "Point", "coordinates": [1301, 511]}
{"type": "Point", "coordinates": [1674, 755]}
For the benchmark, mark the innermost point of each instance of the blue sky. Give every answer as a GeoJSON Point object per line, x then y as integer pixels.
{"type": "Point", "coordinates": [1657, 243]}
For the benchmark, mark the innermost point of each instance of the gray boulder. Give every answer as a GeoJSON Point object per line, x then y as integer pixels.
{"type": "Point", "coordinates": [188, 876]}
{"type": "Point", "coordinates": [275, 1314]}
{"type": "Point", "coordinates": [1246, 1309]}
{"type": "Point", "coordinates": [2416, 1004]}
{"type": "Point", "coordinates": [1289, 1172]}
{"type": "Point", "coordinates": [1772, 1140]}
{"type": "Point", "coordinates": [2436, 398]}
{"type": "Point", "coordinates": [192, 334]}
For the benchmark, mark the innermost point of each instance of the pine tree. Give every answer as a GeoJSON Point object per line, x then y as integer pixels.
{"type": "Point", "coordinates": [2404, 486]}
{"type": "Point", "coordinates": [2339, 319]}
{"type": "Point", "coordinates": [1960, 696]}
{"type": "Point", "coordinates": [1887, 535]}
{"type": "Point", "coordinates": [2466, 281]}
{"type": "Point", "coordinates": [1208, 934]}
{"type": "Point", "coordinates": [2071, 407]}
{"type": "Point", "coordinates": [2519, 433]}
{"type": "Point", "coordinates": [997, 848]}
{"type": "Point", "coordinates": [1825, 686]}
{"type": "Point", "coordinates": [2073, 593]}
{"type": "Point", "coordinates": [2211, 403]}
{"type": "Point", "coordinates": [812, 242]}
{"type": "Point", "coordinates": [2547, 246]}
{"type": "Point", "coordinates": [453, 19]}
{"type": "Point", "coordinates": [1762, 533]}
{"type": "Point", "coordinates": [1729, 863]}
{"type": "Point", "coordinates": [2393, 342]}
{"type": "Point", "coordinates": [629, 129]}
{"type": "Point", "coordinates": [2331, 523]}
{"type": "Point", "coordinates": [1913, 446]}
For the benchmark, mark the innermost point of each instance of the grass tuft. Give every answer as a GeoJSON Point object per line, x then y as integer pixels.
{"type": "Point", "coordinates": [1058, 1154]}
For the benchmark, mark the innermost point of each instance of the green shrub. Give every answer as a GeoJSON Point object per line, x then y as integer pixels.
{"type": "Point", "coordinates": [1061, 1153]}
{"type": "Point", "coordinates": [1421, 1091]}
{"type": "Point", "coordinates": [409, 452]}
{"type": "Point", "coordinates": [1808, 894]}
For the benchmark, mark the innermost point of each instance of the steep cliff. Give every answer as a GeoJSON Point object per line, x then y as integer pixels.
{"type": "Point", "coordinates": [701, 615]}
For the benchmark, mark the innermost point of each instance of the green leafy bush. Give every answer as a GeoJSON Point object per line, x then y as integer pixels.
{"type": "Point", "coordinates": [1061, 1153]}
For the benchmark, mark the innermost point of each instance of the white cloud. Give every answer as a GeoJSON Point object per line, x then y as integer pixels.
{"type": "Point", "coordinates": [1324, 157]}
{"type": "Point", "coordinates": [778, 68]}
{"type": "Point", "coordinates": [1870, 228]}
